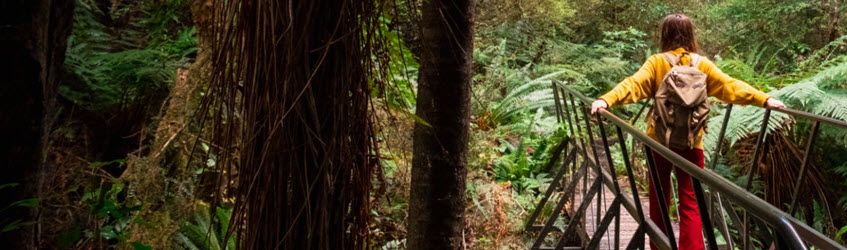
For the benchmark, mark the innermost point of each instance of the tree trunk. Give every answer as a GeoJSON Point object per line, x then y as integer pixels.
{"type": "Point", "coordinates": [437, 195]}
{"type": "Point", "coordinates": [33, 43]}
{"type": "Point", "coordinates": [294, 80]}
{"type": "Point", "coordinates": [833, 21]}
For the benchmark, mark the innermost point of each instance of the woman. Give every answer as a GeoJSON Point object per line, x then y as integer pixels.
{"type": "Point", "coordinates": [678, 38]}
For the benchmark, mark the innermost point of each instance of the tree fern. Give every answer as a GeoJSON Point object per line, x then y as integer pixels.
{"type": "Point", "coordinates": [743, 122]}
{"type": "Point", "coordinates": [824, 93]}
{"type": "Point", "coordinates": [532, 95]}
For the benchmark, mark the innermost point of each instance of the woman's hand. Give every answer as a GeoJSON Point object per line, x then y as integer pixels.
{"type": "Point", "coordinates": [774, 104]}
{"type": "Point", "coordinates": [601, 105]}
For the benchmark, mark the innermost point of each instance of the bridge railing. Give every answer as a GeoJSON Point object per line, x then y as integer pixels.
{"type": "Point", "coordinates": [776, 227]}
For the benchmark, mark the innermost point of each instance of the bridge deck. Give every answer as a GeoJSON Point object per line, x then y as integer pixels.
{"type": "Point", "coordinates": [628, 224]}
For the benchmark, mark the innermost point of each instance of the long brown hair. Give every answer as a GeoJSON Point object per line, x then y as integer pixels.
{"type": "Point", "coordinates": [678, 32]}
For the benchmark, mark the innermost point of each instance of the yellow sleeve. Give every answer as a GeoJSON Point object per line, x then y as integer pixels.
{"type": "Point", "coordinates": [728, 89]}
{"type": "Point", "coordinates": [634, 88]}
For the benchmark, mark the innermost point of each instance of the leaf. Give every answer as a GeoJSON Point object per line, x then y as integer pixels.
{"type": "Point", "coordinates": [68, 238]}
{"type": "Point", "coordinates": [223, 218]}
{"type": "Point", "coordinates": [26, 203]}
{"type": "Point", "coordinates": [138, 246]}
{"type": "Point", "coordinates": [186, 242]}
{"type": "Point", "coordinates": [479, 206]}
{"type": "Point", "coordinates": [408, 114]}
{"type": "Point", "coordinates": [839, 236]}
{"type": "Point", "coordinates": [91, 195]}
{"type": "Point", "coordinates": [16, 225]}
{"type": "Point", "coordinates": [99, 164]}
{"type": "Point", "coordinates": [11, 184]}
{"type": "Point", "coordinates": [108, 207]}
{"type": "Point", "coordinates": [108, 232]}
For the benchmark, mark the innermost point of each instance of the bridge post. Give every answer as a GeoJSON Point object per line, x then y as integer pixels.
{"type": "Point", "coordinates": [753, 169]}
{"type": "Point", "coordinates": [663, 204]}
{"type": "Point", "coordinates": [793, 207]}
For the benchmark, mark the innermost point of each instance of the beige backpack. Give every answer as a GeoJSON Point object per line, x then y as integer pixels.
{"type": "Point", "coordinates": [680, 106]}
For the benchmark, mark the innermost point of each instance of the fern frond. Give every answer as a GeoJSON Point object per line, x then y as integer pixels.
{"type": "Point", "coordinates": [743, 122]}
{"type": "Point", "coordinates": [823, 55]}
{"type": "Point", "coordinates": [824, 93]}
{"type": "Point", "coordinates": [185, 241]}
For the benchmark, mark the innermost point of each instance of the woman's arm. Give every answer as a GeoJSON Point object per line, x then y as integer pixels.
{"type": "Point", "coordinates": [732, 90]}
{"type": "Point", "coordinates": [632, 89]}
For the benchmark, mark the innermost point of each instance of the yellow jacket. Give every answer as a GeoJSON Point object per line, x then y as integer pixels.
{"type": "Point", "coordinates": [645, 82]}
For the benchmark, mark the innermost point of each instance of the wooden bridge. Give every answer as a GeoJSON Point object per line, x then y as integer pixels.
{"type": "Point", "coordinates": [604, 211]}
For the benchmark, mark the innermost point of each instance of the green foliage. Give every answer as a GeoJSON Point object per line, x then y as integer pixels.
{"type": "Point", "coordinates": [594, 17]}
{"type": "Point", "coordinates": [826, 54]}
{"type": "Point", "coordinates": [745, 69]}
{"type": "Point", "coordinates": [399, 93]}
{"type": "Point", "coordinates": [519, 165]}
{"type": "Point", "coordinates": [534, 94]}
{"type": "Point", "coordinates": [789, 26]}
{"type": "Point", "coordinates": [820, 216]}
{"type": "Point", "coordinates": [115, 68]}
{"type": "Point", "coordinates": [514, 76]}
{"type": "Point", "coordinates": [743, 122]}
{"type": "Point", "coordinates": [394, 245]}
{"type": "Point", "coordinates": [630, 43]}
{"type": "Point", "coordinates": [10, 223]}
{"type": "Point", "coordinates": [164, 22]}
{"type": "Point", "coordinates": [115, 217]}
{"type": "Point", "coordinates": [839, 237]}
{"type": "Point", "coordinates": [207, 232]}
{"type": "Point", "coordinates": [842, 170]}
{"type": "Point", "coordinates": [823, 93]}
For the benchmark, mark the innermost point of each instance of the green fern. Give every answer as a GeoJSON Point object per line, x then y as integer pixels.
{"type": "Point", "coordinates": [762, 75]}
{"type": "Point", "coordinates": [515, 72]}
{"type": "Point", "coordinates": [529, 96]}
{"type": "Point", "coordinates": [831, 51]}
{"type": "Point", "coordinates": [114, 68]}
{"type": "Point", "coordinates": [743, 122]}
{"type": "Point", "coordinates": [825, 93]}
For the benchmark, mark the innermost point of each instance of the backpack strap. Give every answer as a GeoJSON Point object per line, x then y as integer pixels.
{"type": "Point", "coordinates": [648, 118]}
{"type": "Point", "coordinates": [695, 59]}
{"type": "Point", "coordinates": [671, 58]}
{"type": "Point", "coordinates": [674, 60]}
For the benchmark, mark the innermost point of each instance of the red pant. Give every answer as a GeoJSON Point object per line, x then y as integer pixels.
{"type": "Point", "coordinates": [690, 227]}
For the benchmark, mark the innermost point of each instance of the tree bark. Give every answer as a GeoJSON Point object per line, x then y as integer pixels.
{"type": "Point", "coordinates": [437, 195]}
{"type": "Point", "coordinates": [294, 80]}
{"type": "Point", "coordinates": [33, 39]}
{"type": "Point", "coordinates": [833, 31]}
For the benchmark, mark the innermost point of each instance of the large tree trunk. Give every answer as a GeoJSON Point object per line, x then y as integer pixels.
{"type": "Point", "coordinates": [437, 195]}
{"type": "Point", "coordinates": [294, 79]}
{"type": "Point", "coordinates": [33, 38]}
